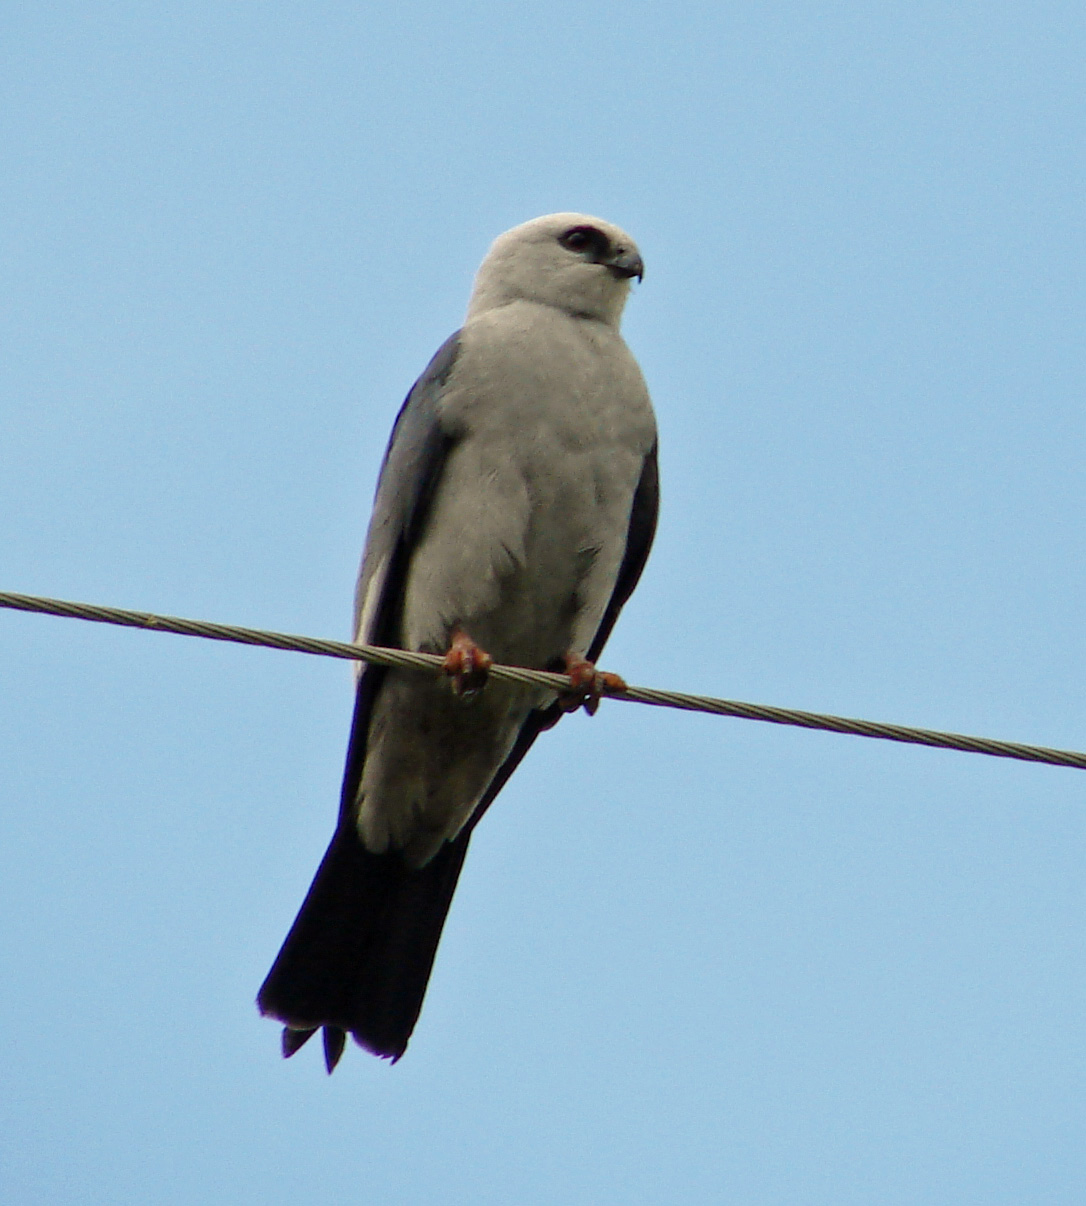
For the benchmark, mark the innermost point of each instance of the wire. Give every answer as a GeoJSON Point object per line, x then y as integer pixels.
{"type": "Point", "coordinates": [404, 659]}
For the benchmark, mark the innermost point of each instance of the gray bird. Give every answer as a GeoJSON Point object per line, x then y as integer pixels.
{"type": "Point", "coordinates": [514, 514]}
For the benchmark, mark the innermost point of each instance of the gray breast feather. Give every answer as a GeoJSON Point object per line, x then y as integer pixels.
{"type": "Point", "coordinates": [527, 529]}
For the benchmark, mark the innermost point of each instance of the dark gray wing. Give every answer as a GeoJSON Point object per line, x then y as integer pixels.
{"type": "Point", "coordinates": [359, 953]}
{"type": "Point", "coordinates": [409, 475]}
{"type": "Point", "coordinates": [639, 537]}
{"type": "Point", "coordinates": [415, 457]}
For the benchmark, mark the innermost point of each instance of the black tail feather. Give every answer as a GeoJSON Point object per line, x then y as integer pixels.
{"type": "Point", "coordinates": [334, 1042]}
{"type": "Point", "coordinates": [295, 1040]}
{"type": "Point", "coordinates": [359, 954]}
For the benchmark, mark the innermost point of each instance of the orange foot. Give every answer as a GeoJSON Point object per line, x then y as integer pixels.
{"type": "Point", "coordinates": [466, 664]}
{"type": "Point", "coordinates": [589, 685]}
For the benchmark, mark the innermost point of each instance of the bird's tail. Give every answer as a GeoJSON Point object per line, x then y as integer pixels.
{"type": "Point", "coordinates": [358, 957]}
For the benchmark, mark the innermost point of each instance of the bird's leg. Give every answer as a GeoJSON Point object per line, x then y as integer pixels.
{"type": "Point", "coordinates": [466, 664]}
{"type": "Point", "coordinates": [589, 685]}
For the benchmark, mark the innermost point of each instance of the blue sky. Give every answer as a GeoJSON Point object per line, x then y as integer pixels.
{"type": "Point", "coordinates": [690, 959]}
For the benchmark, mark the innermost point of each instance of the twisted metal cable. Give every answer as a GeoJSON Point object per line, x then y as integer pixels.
{"type": "Point", "coordinates": [403, 659]}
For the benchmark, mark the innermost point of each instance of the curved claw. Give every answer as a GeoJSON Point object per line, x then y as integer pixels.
{"type": "Point", "coordinates": [589, 685]}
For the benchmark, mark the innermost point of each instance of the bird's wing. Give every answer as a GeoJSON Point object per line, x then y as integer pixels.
{"type": "Point", "coordinates": [359, 952]}
{"type": "Point", "coordinates": [412, 467]}
{"type": "Point", "coordinates": [639, 537]}
{"type": "Point", "coordinates": [416, 455]}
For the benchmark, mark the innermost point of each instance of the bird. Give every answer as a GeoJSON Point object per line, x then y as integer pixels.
{"type": "Point", "coordinates": [514, 514]}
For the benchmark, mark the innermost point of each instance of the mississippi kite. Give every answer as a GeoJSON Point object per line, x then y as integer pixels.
{"type": "Point", "coordinates": [514, 514]}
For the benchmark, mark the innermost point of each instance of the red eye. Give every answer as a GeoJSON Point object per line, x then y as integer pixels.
{"type": "Point", "coordinates": [585, 239]}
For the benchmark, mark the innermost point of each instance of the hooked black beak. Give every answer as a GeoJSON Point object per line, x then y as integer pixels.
{"type": "Point", "coordinates": [626, 264]}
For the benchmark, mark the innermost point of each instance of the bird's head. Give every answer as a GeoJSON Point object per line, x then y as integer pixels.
{"type": "Point", "coordinates": [576, 263]}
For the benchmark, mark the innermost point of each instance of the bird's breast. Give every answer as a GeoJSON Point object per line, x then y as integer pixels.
{"type": "Point", "coordinates": [535, 496]}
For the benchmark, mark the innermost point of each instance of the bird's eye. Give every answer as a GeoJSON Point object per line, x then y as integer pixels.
{"type": "Point", "coordinates": [583, 239]}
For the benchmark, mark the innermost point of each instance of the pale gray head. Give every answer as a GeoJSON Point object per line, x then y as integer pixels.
{"type": "Point", "coordinates": [574, 262]}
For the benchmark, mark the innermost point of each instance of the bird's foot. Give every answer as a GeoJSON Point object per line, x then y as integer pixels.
{"type": "Point", "coordinates": [588, 685]}
{"type": "Point", "coordinates": [466, 664]}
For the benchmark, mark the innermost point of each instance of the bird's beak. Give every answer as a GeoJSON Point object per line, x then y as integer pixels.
{"type": "Point", "coordinates": [627, 264]}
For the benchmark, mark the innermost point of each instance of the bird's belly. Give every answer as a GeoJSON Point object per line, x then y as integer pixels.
{"type": "Point", "coordinates": [430, 756]}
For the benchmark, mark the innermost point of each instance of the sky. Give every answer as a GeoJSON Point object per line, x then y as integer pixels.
{"type": "Point", "coordinates": [691, 959]}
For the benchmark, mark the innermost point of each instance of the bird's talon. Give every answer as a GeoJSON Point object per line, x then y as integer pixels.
{"type": "Point", "coordinates": [588, 686]}
{"type": "Point", "coordinates": [466, 664]}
